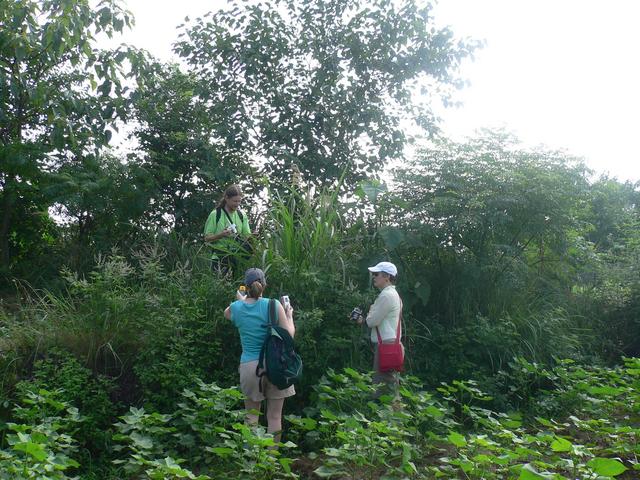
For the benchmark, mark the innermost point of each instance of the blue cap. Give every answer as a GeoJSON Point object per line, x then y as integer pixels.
{"type": "Point", "coordinates": [254, 275]}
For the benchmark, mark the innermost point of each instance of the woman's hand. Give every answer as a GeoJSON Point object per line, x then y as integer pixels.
{"type": "Point", "coordinates": [288, 310]}
{"type": "Point", "coordinates": [285, 319]}
{"type": "Point", "coordinates": [214, 237]}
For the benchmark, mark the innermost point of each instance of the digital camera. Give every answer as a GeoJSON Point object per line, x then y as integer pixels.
{"type": "Point", "coordinates": [232, 228]}
{"type": "Point", "coordinates": [284, 300]}
{"type": "Point", "coordinates": [356, 314]}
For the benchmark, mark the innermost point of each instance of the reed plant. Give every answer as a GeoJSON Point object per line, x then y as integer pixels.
{"type": "Point", "coordinates": [304, 246]}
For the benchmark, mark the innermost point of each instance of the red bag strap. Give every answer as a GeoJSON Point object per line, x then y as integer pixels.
{"type": "Point", "coordinates": [398, 330]}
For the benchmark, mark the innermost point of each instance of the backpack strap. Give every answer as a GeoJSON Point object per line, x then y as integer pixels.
{"type": "Point", "coordinates": [219, 211]}
{"type": "Point", "coordinates": [273, 318]}
{"type": "Point", "coordinates": [260, 371]}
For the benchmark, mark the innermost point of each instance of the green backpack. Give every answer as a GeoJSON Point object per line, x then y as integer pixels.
{"type": "Point", "coordinates": [278, 359]}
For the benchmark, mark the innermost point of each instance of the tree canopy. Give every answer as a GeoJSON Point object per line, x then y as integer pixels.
{"type": "Point", "coordinates": [59, 95]}
{"type": "Point", "coordinates": [324, 84]}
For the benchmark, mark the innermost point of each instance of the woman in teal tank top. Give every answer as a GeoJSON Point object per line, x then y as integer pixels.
{"type": "Point", "coordinates": [250, 315]}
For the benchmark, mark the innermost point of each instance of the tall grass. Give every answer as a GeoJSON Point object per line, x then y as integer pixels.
{"type": "Point", "coordinates": [124, 313]}
{"type": "Point", "coordinates": [304, 241]}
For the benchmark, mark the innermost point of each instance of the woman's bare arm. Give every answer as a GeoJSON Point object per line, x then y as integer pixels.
{"type": "Point", "coordinates": [285, 319]}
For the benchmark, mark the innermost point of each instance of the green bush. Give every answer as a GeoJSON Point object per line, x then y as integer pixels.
{"type": "Point", "coordinates": [76, 385]}
{"type": "Point", "coordinates": [41, 445]}
{"type": "Point", "coordinates": [204, 433]}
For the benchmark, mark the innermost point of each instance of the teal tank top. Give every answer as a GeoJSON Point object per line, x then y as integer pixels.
{"type": "Point", "coordinates": [252, 320]}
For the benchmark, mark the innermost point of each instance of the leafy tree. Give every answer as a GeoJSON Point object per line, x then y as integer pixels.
{"type": "Point", "coordinates": [610, 281]}
{"type": "Point", "coordinates": [489, 237]}
{"type": "Point", "coordinates": [490, 213]}
{"type": "Point", "coordinates": [180, 151]}
{"type": "Point", "coordinates": [103, 204]}
{"type": "Point", "coordinates": [613, 210]}
{"type": "Point", "coordinates": [58, 97]}
{"type": "Point", "coordinates": [323, 84]}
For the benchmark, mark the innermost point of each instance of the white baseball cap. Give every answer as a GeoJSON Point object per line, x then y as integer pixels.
{"type": "Point", "coordinates": [386, 267]}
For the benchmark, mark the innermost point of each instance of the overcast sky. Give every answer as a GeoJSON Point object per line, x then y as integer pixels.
{"type": "Point", "coordinates": [563, 73]}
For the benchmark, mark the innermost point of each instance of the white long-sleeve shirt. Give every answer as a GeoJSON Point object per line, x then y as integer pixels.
{"type": "Point", "coordinates": [385, 314]}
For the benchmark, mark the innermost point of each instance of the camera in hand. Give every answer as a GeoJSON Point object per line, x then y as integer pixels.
{"type": "Point", "coordinates": [356, 314]}
{"type": "Point", "coordinates": [284, 300]}
{"type": "Point", "coordinates": [232, 228]}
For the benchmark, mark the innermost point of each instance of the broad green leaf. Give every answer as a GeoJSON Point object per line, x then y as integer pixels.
{"type": "Point", "coordinates": [512, 424]}
{"type": "Point", "coordinates": [308, 423]}
{"type": "Point", "coordinates": [544, 422]}
{"type": "Point", "coordinates": [286, 464]}
{"type": "Point", "coordinates": [36, 450]}
{"type": "Point", "coordinates": [605, 390]}
{"type": "Point", "coordinates": [328, 472]}
{"type": "Point", "coordinates": [608, 467]}
{"type": "Point", "coordinates": [561, 445]}
{"type": "Point", "coordinates": [141, 441]}
{"type": "Point", "coordinates": [434, 411]}
{"type": "Point", "coordinates": [222, 451]}
{"type": "Point", "coordinates": [392, 236]}
{"type": "Point", "coordinates": [328, 414]}
{"type": "Point", "coordinates": [529, 473]}
{"type": "Point", "coordinates": [457, 439]}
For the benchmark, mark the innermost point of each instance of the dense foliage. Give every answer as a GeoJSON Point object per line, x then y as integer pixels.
{"type": "Point", "coordinates": [518, 269]}
{"type": "Point", "coordinates": [581, 423]}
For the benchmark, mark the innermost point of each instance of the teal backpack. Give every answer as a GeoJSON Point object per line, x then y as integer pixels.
{"type": "Point", "coordinates": [278, 358]}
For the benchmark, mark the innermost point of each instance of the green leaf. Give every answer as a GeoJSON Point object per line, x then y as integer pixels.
{"type": "Point", "coordinates": [605, 390]}
{"type": "Point", "coordinates": [544, 422]}
{"type": "Point", "coordinates": [328, 414]}
{"type": "Point", "coordinates": [141, 440]}
{"type": "Point", "coordinates": [392, 236]}
{"type": "Point", "coordinates": [308, 423]}
{"type": "Point", "coordinates": [286, 464]}
{"type": "Point", "coordinates": [608, 467]}
{"type": "Point", "coordinates": [327, 472]}
{"type": "Point", "coordinates": [222, 451]}
{"type": "Point", "coordinates": [561, 445]}
{"type": "Point", "coordinates": [36, 450]}
{"type": "Point", "coordinates": [434, 411]}
{"type": "Point", "coordinates": [529, 473]}
{"type": "Point", "coordinates": [457, 439]}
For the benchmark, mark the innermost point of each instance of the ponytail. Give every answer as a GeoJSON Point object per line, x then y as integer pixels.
{"type": "Point", "coordinates": [255, 289]}
{"type": "Point", "coordinates": [231, 191]}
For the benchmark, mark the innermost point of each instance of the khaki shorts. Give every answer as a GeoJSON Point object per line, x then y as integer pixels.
{"type": "Point", "coordinates": [250, 384]}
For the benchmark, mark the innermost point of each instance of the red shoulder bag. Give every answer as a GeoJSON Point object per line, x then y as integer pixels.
{"type": "Point", "coordinates": [391, 355]}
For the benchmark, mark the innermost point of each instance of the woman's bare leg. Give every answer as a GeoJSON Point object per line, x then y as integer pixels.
{"type": "Point", "coordinates": [251, 418]}
{"type": "Point", "coordinates": [274, 417]}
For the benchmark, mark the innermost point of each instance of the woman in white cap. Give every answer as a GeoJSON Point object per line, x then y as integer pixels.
{"type": "Point", "coordinates": [250, 315]}
{"type": "Point", "coordinates": [384, 319]}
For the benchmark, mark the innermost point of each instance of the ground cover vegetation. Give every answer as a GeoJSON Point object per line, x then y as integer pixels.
{"type": "Point", "coordinates": [518, 269]}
